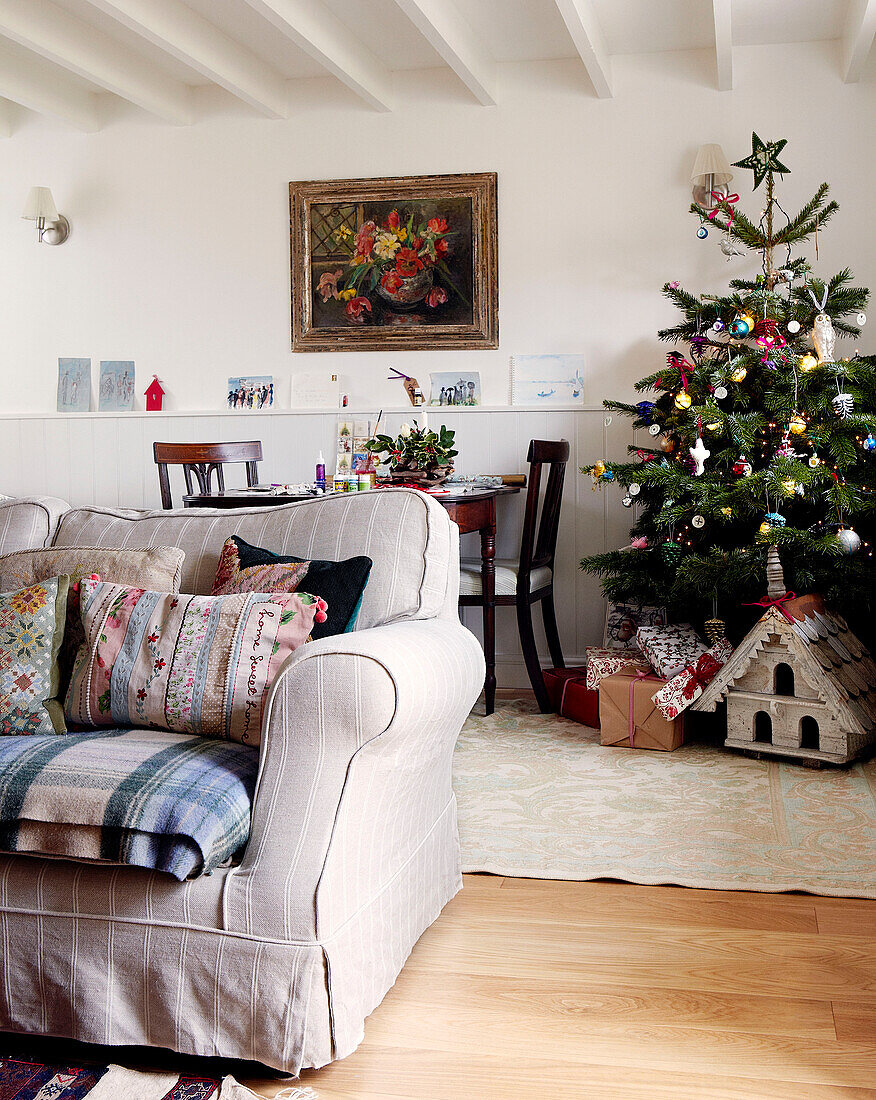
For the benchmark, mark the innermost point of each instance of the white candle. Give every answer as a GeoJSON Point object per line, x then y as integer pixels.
{"type": "Point", "coordinates": [425, 424]}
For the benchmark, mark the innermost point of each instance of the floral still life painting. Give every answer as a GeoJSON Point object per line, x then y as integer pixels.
{"type": "Point", "coordinates": [404, 262]}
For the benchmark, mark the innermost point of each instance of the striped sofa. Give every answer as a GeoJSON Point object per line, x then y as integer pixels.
{"type": "Point", "coordinates": [353, 847]}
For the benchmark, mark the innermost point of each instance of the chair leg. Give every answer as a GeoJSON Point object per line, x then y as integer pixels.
{"type": "Point", "coordinates": [530, 655]}
{"type": "Point", "coordinates": [549, 616]}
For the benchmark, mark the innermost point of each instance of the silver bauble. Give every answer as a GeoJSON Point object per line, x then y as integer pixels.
{"type": "Point", "coordinates": [849, 540]}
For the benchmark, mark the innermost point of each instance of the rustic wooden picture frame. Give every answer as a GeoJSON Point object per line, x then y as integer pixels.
{"type": "Point", "coordinates": [311, 331]}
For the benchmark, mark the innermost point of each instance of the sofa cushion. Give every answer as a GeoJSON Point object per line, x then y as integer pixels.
{"type": "Point", "coordinates": [27, 522]}
{"type": "Point", "coordinates": [167, 801]}
{"type": "Point", "coordinates": [406, 534]}
{"type": "Point", "coordinates": [31, 631]}
{"type": "Point", "coordinates": [191, 664]}
{"type": "Point", "coordinates": [245, 568]}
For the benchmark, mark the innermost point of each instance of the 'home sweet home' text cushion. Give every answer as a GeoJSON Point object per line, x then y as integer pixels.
{"type": "Point", "coordinates": [189, 664]}
{"type": "Point", "coordinates": [31, 631]}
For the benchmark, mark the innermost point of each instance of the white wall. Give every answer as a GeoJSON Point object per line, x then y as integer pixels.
{"type": "Point", "coordinates": [179, 260]}
{"type": "Point", "coordinates": [179, 257]}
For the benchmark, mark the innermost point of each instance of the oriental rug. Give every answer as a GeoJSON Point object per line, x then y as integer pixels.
{"type": "Point", "coordinates": [539, 797]}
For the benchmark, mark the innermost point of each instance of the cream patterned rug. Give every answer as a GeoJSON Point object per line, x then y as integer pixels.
{"type": "Point", "coordinates": [539, 797]}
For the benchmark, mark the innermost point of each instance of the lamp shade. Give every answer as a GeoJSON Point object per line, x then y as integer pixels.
{"type": "Point", "coordinates": [711, 162]}
{"type": "Point", "coordinates": [40, 204]}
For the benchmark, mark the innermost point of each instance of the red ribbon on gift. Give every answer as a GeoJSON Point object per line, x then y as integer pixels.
{"type": "Point", "coordinates": [700, 675]}
{"type": "Point", "coordinates": [639, 676]}
{"type": "Point", "coordinates": [777, 604]}
{"type": "Point", "coordinates": [724, 200]}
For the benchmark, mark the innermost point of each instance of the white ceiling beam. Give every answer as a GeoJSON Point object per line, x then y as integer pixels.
{"type": "Point", "coordinates": [46, 89]}
{"type": "Point", "coordinates": [56, 35]}
{"type": "Point", "coordinates": [582, 24]}
{"type": "Point", "coordinates": [723, 44]}
{"type": "Point", "coordinates": [187, 36]}
{"type": "Point", "coordinates": [858, 39]}
{"type": "Point", "coordinates": [6, 126]}
{"type": "Point", "coordinates": [319, 32]}
{"type": "Point", "coordinates": [450, 36]}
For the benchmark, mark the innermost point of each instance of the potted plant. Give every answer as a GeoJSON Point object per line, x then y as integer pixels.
{"type": "Point", "coordinates": [417, 454]}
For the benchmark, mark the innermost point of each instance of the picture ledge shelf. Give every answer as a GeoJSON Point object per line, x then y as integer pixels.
{"type": "Point", "coordinates": [433, 410]}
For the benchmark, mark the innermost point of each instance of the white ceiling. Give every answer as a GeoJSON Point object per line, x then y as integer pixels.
{"type": "Point", "coordinates": [53, 53]}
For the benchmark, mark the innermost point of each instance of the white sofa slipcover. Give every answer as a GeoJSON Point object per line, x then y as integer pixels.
{"type": "Point", "coordinates": [353, 850]}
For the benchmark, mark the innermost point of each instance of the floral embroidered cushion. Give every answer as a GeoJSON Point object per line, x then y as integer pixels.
{"type": "Point", "coordinates": [246, 568]}
{"type": "Point", "coordinates": [188, 664]}
{"type": "Point", "coordinates": [31, 631]}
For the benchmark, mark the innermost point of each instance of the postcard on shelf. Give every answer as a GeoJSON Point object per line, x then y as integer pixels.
{"type": "Point", "coordinates": [547, 380]}
{"type": "Point", "coordinates": [116, 390]}
{"type": "Point", "coordinates": [74, 385]}
{"type": "Point", "coordinates": [315, 390]}
{"type": "Point", "coordinates": [255, 391]}
{"type": "Point", "coordinates": [455, 388]}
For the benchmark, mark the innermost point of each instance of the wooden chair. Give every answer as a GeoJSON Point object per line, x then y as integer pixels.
{"type": "Point", "coordinates": [202, 461]}
{"type": "Point", "coordinates": [530, 579]}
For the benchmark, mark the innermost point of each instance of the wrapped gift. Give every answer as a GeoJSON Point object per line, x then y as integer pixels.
{"type": "Point", "coordinates": [670, 648]}
{"type": "Point", "coordinates": [570, 697]}
{"type": "Point", "coordinates": [622, 620]}
{"type": "Point", "coordinates": [605, 662]}
{"type": "Point", "coordinates": [629, 717]}
{"type": "Point", "coordinates": [678, 693]}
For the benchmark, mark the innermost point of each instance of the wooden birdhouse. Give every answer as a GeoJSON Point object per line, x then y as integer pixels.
{"type": "Point", "coordinates": [799, 685]}
{"type": "Point", "coordinates": [154, 395]}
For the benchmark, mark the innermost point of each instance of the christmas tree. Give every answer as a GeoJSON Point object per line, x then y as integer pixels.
{"type": "Point", "coordinates": [760, 432]}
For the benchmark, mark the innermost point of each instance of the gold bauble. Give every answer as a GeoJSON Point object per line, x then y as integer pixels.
{"type": "Point", "coordinates": [739, 374]}
{"type": "Point", "coordinates": [764, 527]}
{"type": "Point", "coordinates": [727, 511]}
{"type": "Point", "coordinates": [808, 362]}
{"type": "Point", "coordinates": [682, 400]}
{"type": "Point", "coordinates": [789, 485]}
{"type": "Point", "coordinates": [665, 444]}
{"type": "Point", "coordinates": [599, 469]}
{"type": "Point", "coordinates": [797, 424]}
{"type": "Point", "coordinates": [749, 320]}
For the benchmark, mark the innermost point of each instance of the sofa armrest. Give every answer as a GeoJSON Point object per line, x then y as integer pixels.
{"type": "Point", "coordinates": [357, 741]}
{"type": "Point", "coordinates": [29, 523]}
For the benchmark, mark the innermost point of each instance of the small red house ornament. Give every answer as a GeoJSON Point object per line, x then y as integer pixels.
{"type": "Point", "coordinates": [154, 395]}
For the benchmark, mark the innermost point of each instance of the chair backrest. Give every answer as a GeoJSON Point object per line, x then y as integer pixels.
{"type": "Point", "coordinates": [539, 541]}
{"type": "Point", "coordinates": [202, 461]}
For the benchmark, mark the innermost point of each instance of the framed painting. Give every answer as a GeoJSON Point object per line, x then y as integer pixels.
{"type": "Point", "coordinates": [403, 262]}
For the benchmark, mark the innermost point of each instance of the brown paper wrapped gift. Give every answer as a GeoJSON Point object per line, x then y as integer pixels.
{"type": "Point", "coordinates": [650, 730]}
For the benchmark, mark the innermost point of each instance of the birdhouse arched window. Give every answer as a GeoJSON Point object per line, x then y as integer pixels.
{"type": "Point", "coordinates": [809, 733]}
{"type": "Point", "coordinates": [763, 728]}
{"type": "Point", "coordinates": [783, 680]}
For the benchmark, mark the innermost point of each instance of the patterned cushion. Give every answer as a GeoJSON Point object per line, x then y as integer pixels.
{"type": "Point", "coordinates": [190, 664]}
{"type": "Point", "coordinates": [245, 568]}
{"type": "Point", "coordinates": [31, 630]}
{"type": "Point", "coordinates": [506, 578]}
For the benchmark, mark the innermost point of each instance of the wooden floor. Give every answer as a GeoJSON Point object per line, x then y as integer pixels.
{"type": "Point", "coordinates": [525, 989]}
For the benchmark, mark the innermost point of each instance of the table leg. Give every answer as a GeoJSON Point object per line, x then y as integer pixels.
{"type": "Point", "coordinates": [488, 589]}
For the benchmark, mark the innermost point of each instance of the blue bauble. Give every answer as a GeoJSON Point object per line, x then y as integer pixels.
{"type": "Point", "coordinates": [645, 409]}
{"type": "Point", "coordinates": [870, 442]}
{"type": "Point", "coordinates": [740, 327]}
{"type": "Point", "coordinates": [702, 232]}
{"type": "Point", "coordinates": [608, 475]}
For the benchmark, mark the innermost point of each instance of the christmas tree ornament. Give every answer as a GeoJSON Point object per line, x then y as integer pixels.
{"type": "Point", "coordinates": [797, 424]}
{"type": "Point", "coordinates": [606, 420]}
{"type": "Point", "coordinates": [726, 511]}
{"type": "Point", "coordinates": [715, 630]}
{"type": "Point", "coordinates": [861, 320]}
{"type": "Point", "coordinates": [775, 519]}
{"type": "Point", "coordinates": [807, 362]}
{"type": "Point", "coordinates": [654, 429]}
{"type": "Point", "coordinates": [793, 326]}
{"type": "Point", "coordinates": [786, 448]}
{"type": "Point", "coordinates": [702, 232]}
{"type": "Point", "coordinates": [682, 400]}
{"type": "Point", "coordinates": [665, 443]}
{"type": "Point", "coordinates": [718, 325]}
{"type": "Point", "coordinates": [849, 540]}
{"type": "Point", "coordinates": [742, 467]}
{"type": "Point", "coordinates": [739, 375]}
{"type": "Point", "coordinates": [766, 326]}
{"type": "Point", "coordinates": [670, 552]}
{"type": "Point", "coordinates": [699, 453]}
{"type": "Point", "coordinates": [640, 543]}
{"type": "Point", "coordinates": [645, 409]}
{"type": "Point", "coordinates": [720, 393]}
{"type": "Point", "coordinates": [598, 468]}
{"type": "Point", "coordinates": [627, 502]}
{"type": "Point", "coordinates": [729, 248]}
{"type": "Point", "coordinates": [790, 485]}
{"type": "Point", "coordinates": [843, 404]}
{"type": "Point", "coordinates": [698, 522]}
{"type": "Point", "coordinates": [608, 475]}
{"type": "Point", "coordinates": [763, 158]}
{"type": "Point", "coordinates": [742, 326]}
{"type": "Point", "coordinates": [824, 338]}
{"type": "Point", "coordinates": [814, 461]}
{"type": "Point", "coordinates": [634, 488]}
{"type": "Point", "coordinates": [870, 442]}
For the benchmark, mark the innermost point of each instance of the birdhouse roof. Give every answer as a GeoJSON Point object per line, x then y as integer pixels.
{"type": "Point", "coordinates": [155, 385]}
{"type": "Point", "coordinates": [825, 648]}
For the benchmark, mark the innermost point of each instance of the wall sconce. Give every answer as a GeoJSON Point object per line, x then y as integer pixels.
{"type": "Point", "coordinates": [711, 172]}
{"type": "Point", "coordinates": [53, 228]}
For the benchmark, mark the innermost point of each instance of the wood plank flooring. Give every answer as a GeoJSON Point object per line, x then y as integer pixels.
{"type": "Point", "coordinates": [590, 990]}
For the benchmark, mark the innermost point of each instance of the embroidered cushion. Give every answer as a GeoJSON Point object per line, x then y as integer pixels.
{"type": "Point", "coordinates": [31, 630]}
{"type": "Point", "coordinates": [246, 568]}
{"type": "Point", "coordinates": [188, 664]}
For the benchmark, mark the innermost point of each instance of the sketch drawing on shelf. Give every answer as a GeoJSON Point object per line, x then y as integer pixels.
{"type": "Point", "coordinates": [455, 388]}
{"type": "Point", "coordinates": [547, 380]}
{"type": "Point", "coordinates": [252, 392]}
{"type": "Point", "coordinates": [74, 385]}
{"type": "Point", "coordinates": [116, 388]}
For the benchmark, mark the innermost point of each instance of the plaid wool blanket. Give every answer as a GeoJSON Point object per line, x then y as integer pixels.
{"type": "Point", "coordinates": [171, 802]}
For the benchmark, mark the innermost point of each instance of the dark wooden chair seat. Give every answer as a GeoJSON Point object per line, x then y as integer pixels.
{"type": "Point", "coordinates": [530, 579]}
{"type": "Point", "coordinates": [203, 462]}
